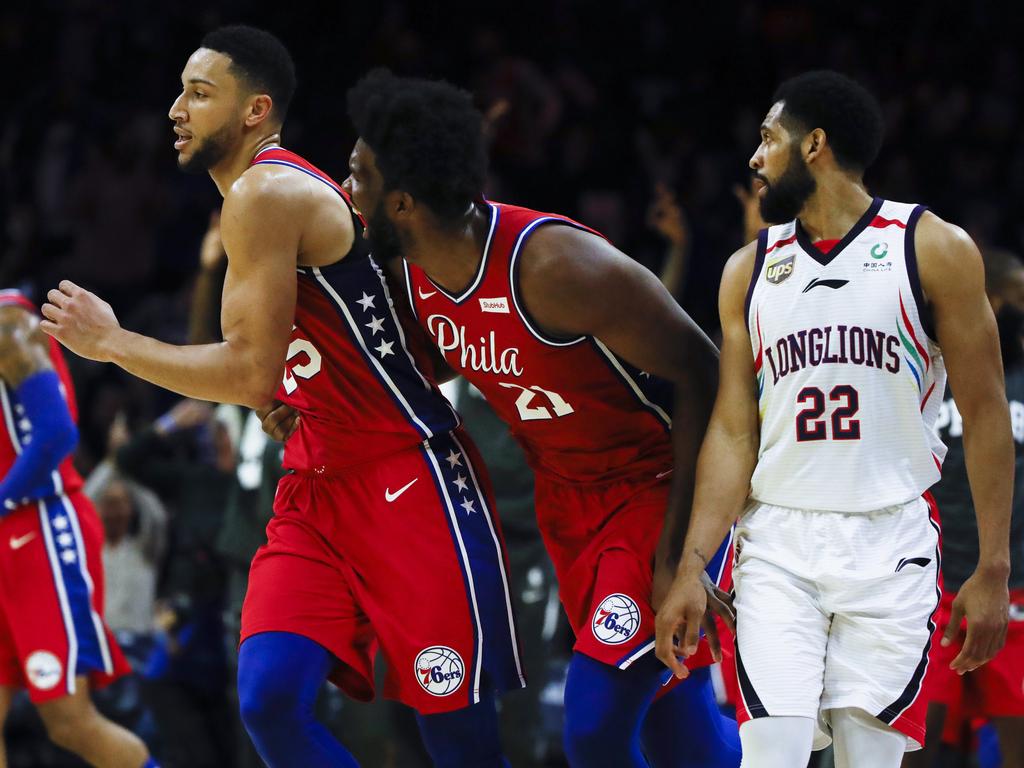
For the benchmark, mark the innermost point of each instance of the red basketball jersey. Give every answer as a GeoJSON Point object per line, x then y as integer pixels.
{"type": "Point", "coordinates": [580, 412]}
{"type": "Point", "coordinates": [358, 369]}
{"type": "Point", "coordinates": [17, 430]}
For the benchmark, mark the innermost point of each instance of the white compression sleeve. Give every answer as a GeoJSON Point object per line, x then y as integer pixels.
{"type": "Point", "coordinates": [860, 740]}
{"type": "Point", "coordinates": [776, 742]}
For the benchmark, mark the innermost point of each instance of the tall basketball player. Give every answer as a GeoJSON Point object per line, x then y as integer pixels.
{"type": "Point", "coordinates": [53, 641]}
{"type": "Point", "coordinates": [578, 349]}
{"type": "Point", "coordinates": [370, 545]}
{"type": "Point", "coordinates": [839, 323]}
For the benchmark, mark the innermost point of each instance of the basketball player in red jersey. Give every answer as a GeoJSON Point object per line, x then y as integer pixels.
{"type": "Point", "coordinates": [577, 347]}
{"type": "Point", "coordinates": [384, 534]}
{"type": "Point", "coordinates": [53, 641]}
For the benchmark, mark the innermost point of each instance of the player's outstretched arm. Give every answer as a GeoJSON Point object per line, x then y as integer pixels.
{"type": "Point", "coordinates": [575, 283]}
{"type": "Point", "coordinates": [26, 369]}
{"type": "Point", "coordinates": [726, 463]}
{"type": "Point", "coordinates": [261, 227]}
{"type": "Point", "coordinates": [953, 280]}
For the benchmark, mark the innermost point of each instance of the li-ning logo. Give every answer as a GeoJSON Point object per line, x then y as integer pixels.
{"type": "Point", "coordinates": [905, 561]}
{"type": "Point", "coordinates": [439, 670]}
{"type": "Point", "coordinates": [816, 283]}
{"type": "Point", "coordinates": [779, 270]}
{"type": "Point", "coordinates": [616, 619]}
{"type": "Point", "coordinates": [498, 305]}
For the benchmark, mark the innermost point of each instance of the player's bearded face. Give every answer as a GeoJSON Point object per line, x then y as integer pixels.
{"type": "Point", "coordinates": [385, 244]}
{"type": "Point", "coordinates": [208, 152]}
{"type": "Point", "coordinates": [784, 197]}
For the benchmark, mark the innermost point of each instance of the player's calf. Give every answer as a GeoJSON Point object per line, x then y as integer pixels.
{"type": "Point", "coordinates": [73, 723]}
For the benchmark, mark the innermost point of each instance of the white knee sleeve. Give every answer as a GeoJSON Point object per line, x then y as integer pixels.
{"type": "Point", "coordinates": [862, 741]}
{"type": "Point", "coordinates": [777, 742]}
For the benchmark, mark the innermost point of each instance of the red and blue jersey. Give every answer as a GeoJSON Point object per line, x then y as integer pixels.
{"type": "Point", "coordinates": [581, 413]}
{"type": "Point", "coordinates": [358, 368]}
{"type": "Point", "coordinates": [17, 430]}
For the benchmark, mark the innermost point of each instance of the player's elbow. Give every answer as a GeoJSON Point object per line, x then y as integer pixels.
{"type": "Point", "coordinates": [60, 440]}
{"type": "Point", "coordinates": [259, 390]}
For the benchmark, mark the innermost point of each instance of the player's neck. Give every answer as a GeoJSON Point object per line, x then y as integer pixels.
{"type": "Point", "coordinates": [225, 173]}
{"type": "Point", "coordinates": [834, 208]}
{"type": "Point", "coordinates": [451, 257]}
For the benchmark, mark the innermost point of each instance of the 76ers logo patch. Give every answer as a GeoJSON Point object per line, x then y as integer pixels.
{"type": "Point", "coordinates": [43, 670]}
{"type": "Point", "coordinates": [439, 670]}
{"type": "Point", "coordinates": [616, 620]}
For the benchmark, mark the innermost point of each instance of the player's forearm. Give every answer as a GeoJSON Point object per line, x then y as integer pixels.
{"type": "Point", "coordinates": [988, 450]}
{"type": "Point", "coordinates": [693, 400]}
{"type": "Point", "coordinates": [723, 485]}
{"type": "Point", "coordinates": [215, 372]}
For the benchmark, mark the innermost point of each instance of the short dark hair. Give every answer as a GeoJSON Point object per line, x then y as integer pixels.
{"type": "Point", "coordinates": [848, 113]}
{"type": "Point", "coordinates": [427, 136]}
{"type": "Point", "coordinates": [259, 59]}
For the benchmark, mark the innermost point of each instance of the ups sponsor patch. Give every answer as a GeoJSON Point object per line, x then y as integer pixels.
{"type": "Point", "coordinates": [779, 270]}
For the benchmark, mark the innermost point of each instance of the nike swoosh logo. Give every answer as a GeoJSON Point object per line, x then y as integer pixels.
{"type": "Point", "coordinates": [426, 295]}
{"type": "Point", "coordinates": [21, 541]}
{"type": "Point", "coordinates": [389, 496]}
{"type": "Point", "coordinates": [660, 475]}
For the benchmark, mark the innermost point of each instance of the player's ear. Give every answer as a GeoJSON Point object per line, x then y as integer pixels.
{"type": "Point", "coordinates": [814, 144]}
{"type": "Point", "coordinates": [403, 204]}
{"type": "Point", "coordinates": [258, 109]}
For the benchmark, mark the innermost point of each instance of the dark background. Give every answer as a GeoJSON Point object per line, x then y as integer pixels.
{"type": "Point", "coordinates": [605, 100]}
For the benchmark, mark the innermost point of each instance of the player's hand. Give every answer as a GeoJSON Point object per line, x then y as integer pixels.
{"type": "Point", "coordinates": [985, 602]}
{"type": "Point", "coordinates": [81, 321]}
{"type": "Point", "coordinates": [211, 250]}
{"type": "Point", "coordinates": [691, 603]}
{"type": "Point", "coordinates": [665, 216]}
{"type": "Point", "coordinates": [278, 420]}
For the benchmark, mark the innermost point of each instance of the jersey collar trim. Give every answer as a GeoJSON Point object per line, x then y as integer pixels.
{"type": "Point", "coordinates": [826, 258]}
{"type": "Point", "coordinates": [481, 270]}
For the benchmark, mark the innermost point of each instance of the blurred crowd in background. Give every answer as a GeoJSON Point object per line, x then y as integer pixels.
{"type": "Point", "coordinates": [637, 118]}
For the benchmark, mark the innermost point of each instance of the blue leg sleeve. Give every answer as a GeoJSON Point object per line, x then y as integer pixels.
{"type": "Point", "coordinates": [279, 675]}
{"type": "Point", "coordinates": [466, 738]}
{"type": "Point", "coordinates": [686, 728]}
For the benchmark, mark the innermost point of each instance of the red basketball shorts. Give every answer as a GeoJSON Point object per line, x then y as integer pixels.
{"type": "Point", "coordinates": [404, 554]}
{"type": "Point", "coordinates": [993, 690]}
{"type": "Point", "coordinates": [602, 541]}
{"type": "Point", "coordinates": [51, 601]}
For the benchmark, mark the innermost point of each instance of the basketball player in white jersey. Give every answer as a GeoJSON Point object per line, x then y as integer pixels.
{"type": "Point", "coordinates": [838, 325]}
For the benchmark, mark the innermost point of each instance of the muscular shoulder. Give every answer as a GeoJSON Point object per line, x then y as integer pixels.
{"type": "Point", "coordinates": [947, 257]}
{"type": "Point", "coordinates": [266, 188]}
{"type": "Point", "coordinates": [564, 258]}
{"type": "Point", "coordinates": [24, 349]}
{"type": "Point", "coordinates": [736, 276]}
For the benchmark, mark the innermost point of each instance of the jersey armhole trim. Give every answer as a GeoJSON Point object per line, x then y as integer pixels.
{"type": "Point", "coordinates": [910, 256]}
{"type": "Point", "coordinates": [408, 288]}
{"type": "Point", "coordinates": [513, 281]}
{"type": "Point", "coordinates": [762, 246]}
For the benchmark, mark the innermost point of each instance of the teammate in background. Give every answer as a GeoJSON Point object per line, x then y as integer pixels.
{"type": "Point", "coordinates": [577, 348]}
{"type": "Point", "coordinates": [993, 691]}
{"type": "Point", "coordinates": [838, 325]}
{"type": "Point", "coordinates": [384, 531]}
{"type": "Point", "coordinates": [53, 641]}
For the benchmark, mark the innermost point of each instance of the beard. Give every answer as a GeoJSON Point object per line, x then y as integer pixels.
{"type": "Point", "coordinates": [211, 151]}
{"type": "Point", "coordinates": [784, 198]}
{"type": "Point", "coordinates": [385, 245]}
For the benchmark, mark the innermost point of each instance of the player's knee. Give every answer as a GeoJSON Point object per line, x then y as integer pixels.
{"type": "Point", "coordinates": [590, 734]}
{"type": "Point", "coordinates": [266, 702]}
{"type": "Point", "coordinates": [776, 742]}
{"type": "Point", "coordinates": [68, 731]}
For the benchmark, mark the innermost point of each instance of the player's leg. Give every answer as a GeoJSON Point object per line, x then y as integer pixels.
{"type": "Point", "coordinates": [860, 738]}
{"type": "Point", "coordinates": [935, 723]}
{"type": "Point", "coordinates": [300, 625]}
{"type": "Point", "coordinates": [778, 606]}
{"type": "Point", "coordinates": [466, 738]}
{"type": "Point", "coordinates": [687, 721]}
{"type": "Point", "coordinates": [73, 723]}
{"type": "Point", "coordinates": [6, 697]}
{"type": "Point", "coordinates": [279, 676]}
{"type": "Point", "coordinates": [777, 741]}
{"type": "Point", "coordinates": [1011, 740]}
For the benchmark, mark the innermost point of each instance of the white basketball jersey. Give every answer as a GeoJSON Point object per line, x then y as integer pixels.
{"type": "Point", "coordinates": [849, 378]}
